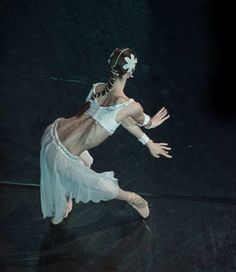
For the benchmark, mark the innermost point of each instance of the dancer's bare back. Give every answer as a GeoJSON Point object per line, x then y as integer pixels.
{"type": "Point", "coordinates": [83, 133]}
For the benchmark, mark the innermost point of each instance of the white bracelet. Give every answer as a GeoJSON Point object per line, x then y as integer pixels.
{"type": "Point", "coordinates": [144, 139]}
{"type": "Point", "coordinates": [150, 126]}
{"type": "Point", "coordinates": [146, 120]}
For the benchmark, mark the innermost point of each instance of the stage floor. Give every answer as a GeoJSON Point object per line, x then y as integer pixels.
{"type": "Point", "coordinates": [180, 235]}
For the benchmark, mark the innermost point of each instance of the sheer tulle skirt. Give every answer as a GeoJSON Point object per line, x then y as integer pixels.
{"type": "Point", "coordinates": [64, 175]}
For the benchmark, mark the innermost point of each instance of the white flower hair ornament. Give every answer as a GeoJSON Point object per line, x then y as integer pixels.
{"type": "Point", "coordinates": [131, 62]}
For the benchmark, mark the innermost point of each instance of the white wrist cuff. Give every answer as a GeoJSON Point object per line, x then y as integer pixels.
{"type": "Point", "coordinates": [149, 127]}
{"type": "Point", "coordinates": [146, 120]}
{"type": "Point", "coordinates": [144, 139]}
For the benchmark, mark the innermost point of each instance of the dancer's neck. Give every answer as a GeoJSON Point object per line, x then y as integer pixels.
{"type": "Point", "coordinates": [118, 86]}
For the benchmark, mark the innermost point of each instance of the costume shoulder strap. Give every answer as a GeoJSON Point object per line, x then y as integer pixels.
{"type": "Point", "coordinates": [91, 92]}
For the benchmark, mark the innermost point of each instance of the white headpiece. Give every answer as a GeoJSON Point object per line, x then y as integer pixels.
{"type": "Point", "coordinates": [131, 62]}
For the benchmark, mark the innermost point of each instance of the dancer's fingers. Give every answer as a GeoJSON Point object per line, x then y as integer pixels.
{"type": "Point", "coordinates": [160, 113]}
{"type": "Point", "coordinates": [166, 117]}
{"type": "Point", "coordinates": [163, 117]}
{"type": "Point", "coordinates": [165, 147]}
{"type": "Point", "coordinates": [164, 112]}
{"type": "Point", "coordinates": [162, 109]}
{"type": "Point", "coordinates": [166, 155]}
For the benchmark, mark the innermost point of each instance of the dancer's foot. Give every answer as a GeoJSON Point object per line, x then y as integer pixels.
{"type": "Point", "coordinates": [53, 222]}
{"type": "Point", "coordinates": [139, 204]}
{"type": "Point", "coordinates": [68, 208]}
{"type": "Point", "coordinates": [67, 211]}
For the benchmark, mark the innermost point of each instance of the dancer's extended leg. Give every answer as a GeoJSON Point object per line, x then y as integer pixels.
{"type": "Point", "coordinates": [123, 195]}
{"type": "Point", "coordinates": [136, 201]}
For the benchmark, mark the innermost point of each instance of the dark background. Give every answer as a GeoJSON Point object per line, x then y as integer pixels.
{"type": "Point", "coordinates": [51, 54]}
{"type": "Point", "coordinates": [53, 51]}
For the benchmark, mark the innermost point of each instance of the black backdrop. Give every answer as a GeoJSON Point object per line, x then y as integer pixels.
{"type": "Point", "coordinates": [52, 52]}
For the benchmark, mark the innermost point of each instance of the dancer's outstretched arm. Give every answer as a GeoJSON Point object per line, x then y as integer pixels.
{"type": "Point", "coordinates": [156, 149]}
{"type": "Point", "coordinates": [145, 120]}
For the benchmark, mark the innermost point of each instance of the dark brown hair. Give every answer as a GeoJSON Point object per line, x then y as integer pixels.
{"type": "Point", "coordinates": [115, 72]}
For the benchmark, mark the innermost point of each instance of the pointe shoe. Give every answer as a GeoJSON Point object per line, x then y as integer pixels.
{"type": "Point", "coordinates": [139, 204]}
{"type": "Point", "coordinates": [67, 211]}
{"type": "Point", "coordinates": [68, 208]}
{"type": "Point", "coordinates": [53, 222]}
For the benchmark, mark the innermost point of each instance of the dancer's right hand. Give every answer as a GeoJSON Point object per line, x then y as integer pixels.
{"type": "Point", "coordinates": [157, 149]}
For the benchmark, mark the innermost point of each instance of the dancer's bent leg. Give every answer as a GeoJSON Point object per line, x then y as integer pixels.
{"type": "Point", "coordinates": [123, 195]}
{"type": "Point", "coordinates": [136, 201]}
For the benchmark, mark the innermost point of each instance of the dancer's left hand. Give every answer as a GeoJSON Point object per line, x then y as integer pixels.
{"type": "Point", "coordinates": [159, 118]}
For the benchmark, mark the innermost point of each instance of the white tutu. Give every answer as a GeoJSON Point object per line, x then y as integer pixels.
{"type": "Point", "coordinates": [64, 175]}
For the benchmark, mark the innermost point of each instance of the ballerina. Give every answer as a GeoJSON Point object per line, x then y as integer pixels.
{"type": "Point", "coordinates": [65, 163]}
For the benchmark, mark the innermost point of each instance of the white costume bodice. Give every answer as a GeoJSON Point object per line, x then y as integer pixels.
{"type": "Point", "coordinates": [105, 116]}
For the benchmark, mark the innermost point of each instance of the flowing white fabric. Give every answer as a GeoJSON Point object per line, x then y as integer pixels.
{"type": "Point", "coordinates": [64, 175]}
